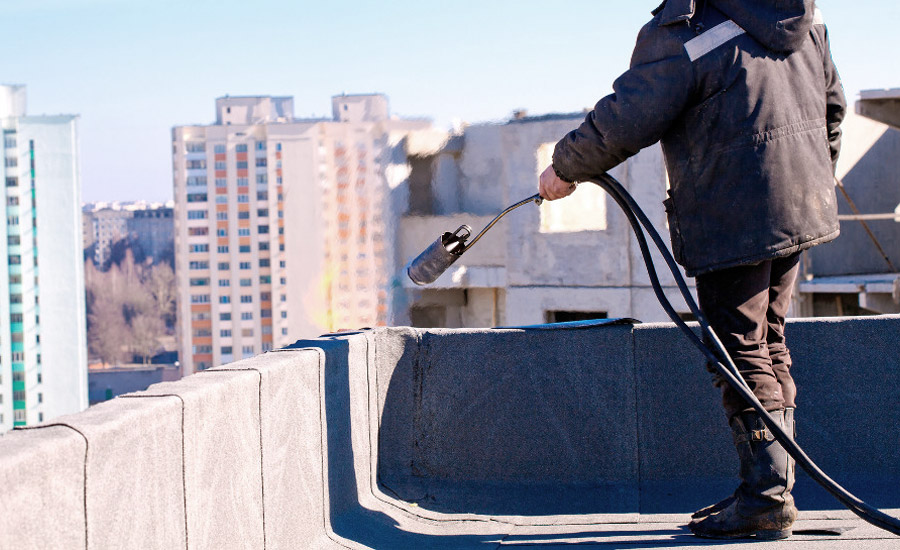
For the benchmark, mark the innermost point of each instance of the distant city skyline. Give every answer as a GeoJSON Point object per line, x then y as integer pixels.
{"type": "Point", "coordinates": [134, 70]}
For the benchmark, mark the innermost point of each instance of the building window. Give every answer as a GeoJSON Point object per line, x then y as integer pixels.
{"type": "Point", "coordinates": [220, 165]}
{"type": "Point", "coordinates": [242, 165]}
{"type": "Point", "coordinates": [284, 332]}
{"type": "Point", "coordinates": [221, 232]}
{"type": "Point", "coordinates": [222, 216]}
{"type": "Point", "coordinates": [198, 231]}
{"type": "Point", "coordinates": [262, 213]}
{"type": "Point", "coordinates": [12, 182]}
{"type": "Point", "coordinates": [241, 148]}
{"type": "Point", "coordinates": [246, 282]}
{"type": "Point", "coordinates": [198, 265]}
{"type": "Point", "coordinates": [224, 266]}
{"type": "Point", "coordinates": [263, 229]}
{"type": "Point", "coordinates": [262, 179]}
{"type": "Point", "coordinates": [260, 145]}
{"type": "Point", "coordinates": [248, 350]}
{"type": "Point", "coordinates": [12, 201]}
{"type": "Point", "coordinates": [265, 296]}
{"type": "Point", "coordinates": [264, 262]}
{"type": "Point", "coordinates": [246, 299]}
{"type": "Point", "coordinates": [224, 299]}
{"type": "Point", "coordinates": [245, 265]}
{"type": "Point", "coordinates": [243, 182]}
{"type": "Point", "coordinates": [226, 350]}
{"type": "Point", "coordinates": [261, 162]}
{"type": "Point", "coordinates": [243, 198]}
{"type": "Point", "coordinates": [15, 259]}
{"type": "Point", "coordinates": [265, 279]}
{"type": "Point", "coordinates": [262, 195]}
{"type": "Point", "coordinates": [244, 232]}
{"type": "Point", "coordinates": [284, 314]}
{"type": "Point", "coordinates": [196, 197]}
{"type": "Point", "coordinates": [219, 148]}
{"type": "Point", "coordinates": [195, 181]}
{"type": "Point", "coordinates": [222, 249]}
{"type": "Point", "coordinates": [265, 313]}
{"type": "Point", "coordinates": [221, 199]}
{"type": "Point", "coordinates": [198, 248]}
{"type": "Point", "coordinates": [197, 164]}
{"type": "Point", "coordinates": [199, 298]}
{"type": "Point", "coordinates": [263, 245]}
{"type": "Point", "coordinates": [221, 182]}
{"type": "Point", "coordinates": [199, 282]}
{"type": "Point", "coordinates": [225, 333]}
{"type": "Point", "coordinates": [278, 147]}
{"type": "Point", "coordinates": [244, 248]}
{"type": "Point", "coordinates": [197, 214]}
{"type": "Point", "coordinates": [243, 215]}
{"type": "Point", "coordinates": [195, 147]}
{"type": "Point", "coordinates": [225, 316]}
{"type": "Point", "coordinates": [224, 282]}
{"type": "Point", "coordinates": [246, 316]}
{"type": "Point", "coordinates": [282, 263]}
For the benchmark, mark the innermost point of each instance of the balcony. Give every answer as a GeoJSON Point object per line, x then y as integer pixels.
{"type": "Point", "coordinates": [606, 436]}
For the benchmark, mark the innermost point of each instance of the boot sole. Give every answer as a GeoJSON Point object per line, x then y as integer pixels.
{"type": "Point", "coordinates": [768, 534]}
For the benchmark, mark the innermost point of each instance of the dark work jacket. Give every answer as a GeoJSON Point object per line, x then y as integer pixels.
{"type": "Point", "coordinates": [745, 98]}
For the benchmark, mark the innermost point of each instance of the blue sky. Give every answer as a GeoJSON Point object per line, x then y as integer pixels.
{"type": "Point", "coordinates": [134, 68]}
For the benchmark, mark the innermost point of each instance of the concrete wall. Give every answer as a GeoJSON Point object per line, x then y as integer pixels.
{"type": "Point", "coordinates": [327, 447]}
{"type": "Point", "coordinates": [868, 167]}
{"type": "Point", "coordinates": [578, 262]}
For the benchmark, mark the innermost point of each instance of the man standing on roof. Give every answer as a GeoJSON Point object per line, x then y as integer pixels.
{"type": "Point", "coordinates": [745, 98]}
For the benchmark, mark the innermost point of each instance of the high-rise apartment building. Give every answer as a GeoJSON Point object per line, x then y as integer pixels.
{"type": "Point", "coordinates": [43, 349]}
{"type": "Point", "coordinates": [281, 224]}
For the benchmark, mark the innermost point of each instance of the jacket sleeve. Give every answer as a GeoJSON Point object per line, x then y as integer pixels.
{"type": "Point", "coordinates": [835, 104]}
{"type": "Point", "coordinates": [646, 100]}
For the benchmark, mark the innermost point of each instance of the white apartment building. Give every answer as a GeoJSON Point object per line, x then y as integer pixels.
{"type": "Point", "coordinates": [281, 224]}
{"type": "Point", "coordinates": [43, 345]}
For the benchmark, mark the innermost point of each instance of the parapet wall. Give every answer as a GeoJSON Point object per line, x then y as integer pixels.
{"type": "Point", "coordinates": [327, 446]}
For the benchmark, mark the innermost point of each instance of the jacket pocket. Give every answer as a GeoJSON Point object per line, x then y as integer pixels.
{"type": "Point", "coordinates": [674, 231]}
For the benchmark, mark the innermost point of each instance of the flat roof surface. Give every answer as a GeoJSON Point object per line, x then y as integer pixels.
{"type": "Point", "coordinates": [887, 93]}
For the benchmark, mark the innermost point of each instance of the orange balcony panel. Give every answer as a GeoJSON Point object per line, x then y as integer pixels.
{"type": "Point", "coordinates": [220, 173]}
{"type": "Point", "coordinates": [220, 156]}
{"type": "Point", "coordinates": [221, 190]}
{"type": "Point", "coordinates": [201, 323]}
{"type": "Point", "coordinates": [278, 172]}
{"type": "Point", "coordinates": [278, 155]}
{"type": "Point", "coordinates": [243, 189]}
{"type": "Point", "coordinates": [267, 339]}
{"type": "Point", "coordinates": [265, 305]}
{"type": "Point", "coordinates": [202, 357]}
{"type": "Point", "coordinates": [199, 341]}
{"type": "Point", "coordinates": [222, 241]}
{"type": "Point", "coordinates": [221, 208]}
{"type": "Point", "coordinates": [243, 223]}
{"type": "Point", "coordinates": [241, 156]}
{"type": "Point", "coordinates": [221, 225]}
{"type": "Point", "coordinates": [266, 322]}
{"type": "Point", "coordinates": [244, 240]}
{"type": "Point", "coordinates": [242, 173]}
{"type": "Point", "coordinates": [195, 308]}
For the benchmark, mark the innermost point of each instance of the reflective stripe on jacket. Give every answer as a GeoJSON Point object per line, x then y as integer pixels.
{"type": "Point", "coordinates": [745, 98]}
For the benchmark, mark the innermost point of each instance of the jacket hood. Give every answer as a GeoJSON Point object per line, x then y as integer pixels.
{"type": "Point", "coordinates": [779, 25]}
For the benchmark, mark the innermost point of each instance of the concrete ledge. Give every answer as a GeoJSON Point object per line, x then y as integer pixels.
{"type": "Point", "coordinates": [409, 438]}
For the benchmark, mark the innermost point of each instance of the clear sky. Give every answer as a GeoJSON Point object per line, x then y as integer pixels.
{"type": "Point", "coordinates": [134, 68]}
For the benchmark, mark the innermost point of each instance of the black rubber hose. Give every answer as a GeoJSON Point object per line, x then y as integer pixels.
{"type": "Point", "coordinates": [637, 218]}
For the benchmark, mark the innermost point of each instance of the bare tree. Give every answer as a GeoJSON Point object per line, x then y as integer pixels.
{"type": "Point", "coordinates": [108, 335]}
{"type": "Point", "coordinates": [160, 282]}
{"type": "Point", "coordinates": [145, 332]}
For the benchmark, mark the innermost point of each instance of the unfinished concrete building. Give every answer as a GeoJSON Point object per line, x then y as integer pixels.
{"type": "Point", "coordinates": [572, 259]}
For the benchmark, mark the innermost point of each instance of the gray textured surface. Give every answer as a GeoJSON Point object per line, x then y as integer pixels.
{"type": "Point", "coordinates": [221, 457]}
{"type": "Point", "coordinates": [600, 438]}
{"type": "Point", "coordinates": [42, 489]}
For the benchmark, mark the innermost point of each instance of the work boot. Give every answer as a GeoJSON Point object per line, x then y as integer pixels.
{"type": "Point", "coordinates": [791, 429]}
{"type": "Point", "coordinates": [762, 505]}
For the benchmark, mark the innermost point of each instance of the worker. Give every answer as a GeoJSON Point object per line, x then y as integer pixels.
{"type": "Point", "coordinates": [747, 103]}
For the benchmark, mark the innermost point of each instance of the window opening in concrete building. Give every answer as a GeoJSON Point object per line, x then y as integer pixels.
{"type": "Point", "coordinates": [584, 210]}
{"type": "Point", "coordinates": [428, 316]}
{"type": "Point", "coordinates": [421, 190]}
{"type": "Point", "coordinates": [556, 316]}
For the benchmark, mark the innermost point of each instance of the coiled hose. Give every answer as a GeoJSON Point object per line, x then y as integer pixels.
{"type": "Point", "coordinates": [719, 357]}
